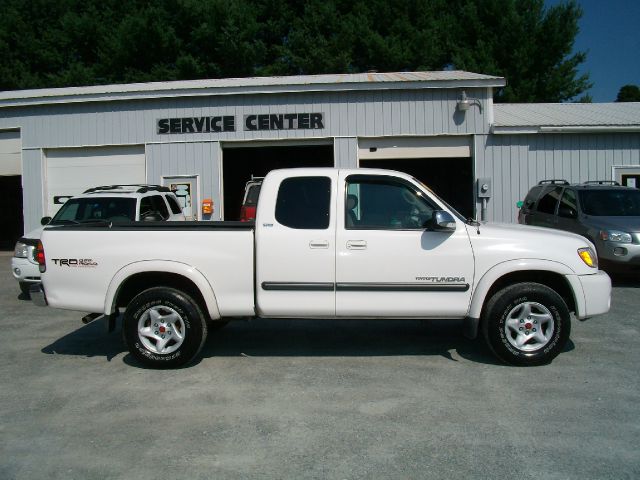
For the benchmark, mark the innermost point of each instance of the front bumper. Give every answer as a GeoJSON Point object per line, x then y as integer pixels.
{"type": "Point", "coordinates": [592, 294]}
{"type": "Point", "coordinates": [38, 296]}
{"type": "Point", "coordinates": [624, 255]}
{"type": "Point", "coordinates": [24, 270]}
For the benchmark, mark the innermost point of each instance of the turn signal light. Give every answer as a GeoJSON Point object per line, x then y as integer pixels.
{"type": "Point", "coordinates": [40, 258]}
{"type": "Point", "coordinates": [588, 257]}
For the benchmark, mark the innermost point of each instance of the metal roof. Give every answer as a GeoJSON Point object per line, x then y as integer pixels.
{"type": "Point", "coordinates": [253, 85]}
{"type": "Point", "coordinates": [565, 117]}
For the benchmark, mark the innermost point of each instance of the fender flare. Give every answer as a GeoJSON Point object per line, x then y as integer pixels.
{"type": "Point", "coordinates": [496, 272]}
{"type": "Point", "coordinates": [165, 266]}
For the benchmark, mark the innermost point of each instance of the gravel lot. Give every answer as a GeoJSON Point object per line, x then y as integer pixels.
{"type": "Point", "coordinates": [315, 399]}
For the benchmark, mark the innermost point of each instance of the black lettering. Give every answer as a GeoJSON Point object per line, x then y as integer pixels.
{"type": "Point", "coordinates": [316, 120]}
{"type": "Point", "coordinates": [174, 125]}
{"type": "Point", "coordinates": [199, 124]}
{"type": "Point", "coordinates": [303, 120]}
{"type": "Point", "coordinates": [276, 122]}
{"type": "Point", "coordinates": [290, 117]}
{"type": "Point", "coordinates": [250, 122]}
{"type": "Point", "coordinates": [187, 125]}
{"type": "Point", "coordinates": [214, 124]}
{"type": "Point", "coordinates": [64, 261]}
{"type": "Point", "coordinates": [73, 261]}
{"type": "Point", "coordinates": [263, 122]}
{"type": "Point", "coordinates": [229, 123]}
{"type": "Point", "coordinates": [163, 126]}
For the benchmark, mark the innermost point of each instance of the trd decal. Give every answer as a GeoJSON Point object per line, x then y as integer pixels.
{"type": "Point", "coordinates": [74, 262]}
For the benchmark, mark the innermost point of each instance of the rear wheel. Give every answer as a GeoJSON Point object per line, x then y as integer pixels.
{"type": "Point", "coordinates": [164, 328]}
{"type": "Point", "coordinates": [526, 324]}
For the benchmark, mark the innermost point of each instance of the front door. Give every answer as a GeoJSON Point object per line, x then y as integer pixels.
{"type": "Point", "coordinates": [388, 263]}
{"type": "Point", "coordinates": [295, 246]}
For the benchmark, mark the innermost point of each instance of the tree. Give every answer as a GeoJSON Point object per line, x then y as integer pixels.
{"type": "Point", "coordinates": [82, 42]}
{"type": "Point", "coordinates": [629, 93]}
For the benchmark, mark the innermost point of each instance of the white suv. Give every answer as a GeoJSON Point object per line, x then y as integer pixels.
{"type": "Point", "coordinates": [112, 203]}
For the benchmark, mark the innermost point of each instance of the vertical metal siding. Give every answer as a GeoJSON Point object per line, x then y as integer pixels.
{"type": "Point", "coordinates": [346, 152]}
{"type": "Point", "coordinates": [517, 162]}
{"type": "Point", "coordinates": [195, 158]}
{"type": "Point", "coordinates": [32, 185]}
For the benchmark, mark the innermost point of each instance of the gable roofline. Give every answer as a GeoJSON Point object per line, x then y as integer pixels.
{"type": "Point", "coordinates": [249, 86]}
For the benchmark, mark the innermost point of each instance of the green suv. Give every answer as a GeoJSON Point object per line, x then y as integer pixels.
{"type": "Point", "coordinates": [603, 211]}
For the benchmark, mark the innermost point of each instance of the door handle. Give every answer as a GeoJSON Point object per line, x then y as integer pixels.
{"type": "Point", "coordinates": [356, 244]}
{"type": "Point", "coordinates": [318, 244]}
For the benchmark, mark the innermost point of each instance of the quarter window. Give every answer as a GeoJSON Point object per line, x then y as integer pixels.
{"type": "Point", "coordinates": [153, 204]}
{"type": "Point", "coordinates": [548, 201]}
{"type": "Point", "coordinates": [304, 203]}
{"type": "Point", "coordinates": [173, 204]}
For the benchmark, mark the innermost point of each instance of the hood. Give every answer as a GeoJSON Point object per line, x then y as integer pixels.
{"type": "Point", "coordinates": [625, 224]}
{"type": "Point", "coordinates": [503, 242]}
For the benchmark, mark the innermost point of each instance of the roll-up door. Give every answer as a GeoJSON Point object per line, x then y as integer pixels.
{"type": "Point", "coordinates": [70, 171]}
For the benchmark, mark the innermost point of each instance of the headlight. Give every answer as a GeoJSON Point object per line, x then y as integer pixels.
{"type": "Point", "coordinates": [21, 250]}
{"type": "Point", "coordinates": [588, 256]}
{"type": "Point", "coordinates": [615, 236]}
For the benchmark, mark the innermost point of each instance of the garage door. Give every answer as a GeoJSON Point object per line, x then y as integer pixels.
{"type": "Point", "coordinates": [442, 163]}
{"type": "Point", "coordinates": [71, 171]}
{"type": "Point", "coordinates": [10, 153]}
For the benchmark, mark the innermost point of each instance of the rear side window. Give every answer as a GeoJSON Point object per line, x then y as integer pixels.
{"type": "Point", "coordinates": [153, 203]}
{"type": "Point", "coordinates": [304, 202]}
{"type": "Point", "coordinates": [531, 198]}
{"type": "Point", "coordinates": [549, 200]}
{"type": "Point", "coordinates": [173, 204]}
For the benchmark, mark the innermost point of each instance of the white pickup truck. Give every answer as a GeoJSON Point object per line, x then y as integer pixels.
{"type": "Point", "coordinates": [327, 243]}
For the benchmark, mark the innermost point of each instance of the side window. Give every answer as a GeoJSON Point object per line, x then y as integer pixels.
{"type": "Point", "coordinates": [531, 198]}
{"type": "Point", "coordinates": [568, 204]}
{"type": "Point", "coordinates": [549, 200]}
{"type": "Point", "coordinates": [385, 204]}
{"type": "Point", "coordinates": [153, 203]}
{"type": "Point", "coordinates": [173, 204]}
{"type": "Point", "coordinates": [304, 203]}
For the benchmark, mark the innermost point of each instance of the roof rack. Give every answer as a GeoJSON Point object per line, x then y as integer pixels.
{"type": "Point", "coordinates": [139, 188]}
{"type": "Point", "coordinates": [602, 182]}
{"type": "Point", "coordinates": [554, 181]}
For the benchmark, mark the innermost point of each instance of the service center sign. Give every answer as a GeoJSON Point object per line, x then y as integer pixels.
{"type": "Point", "coordinates": [227, 123]}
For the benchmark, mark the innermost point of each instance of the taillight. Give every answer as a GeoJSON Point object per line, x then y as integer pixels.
{"type": "Point", "coordinates": [40, 258]}
{"type": "Point", "coordinates": [248, 213]}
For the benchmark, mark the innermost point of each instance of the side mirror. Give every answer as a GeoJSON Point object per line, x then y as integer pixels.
{"type": "Point", "coordinates": [45, 221]}
{"type": "Point", "coordinates": [441, 222]}
{"type": "Point", "coordinates": [567, 212]}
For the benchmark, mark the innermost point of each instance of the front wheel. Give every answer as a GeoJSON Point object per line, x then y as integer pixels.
{"type": "Point", "coordinates": [164, 328]}
{"type": "Point", "coordinates": [24, 288]}
{"type": "Point", "coordinates": [526, 324]}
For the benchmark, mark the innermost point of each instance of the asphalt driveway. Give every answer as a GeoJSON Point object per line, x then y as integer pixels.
{"type": "Point", "coordinates": [315, 399]}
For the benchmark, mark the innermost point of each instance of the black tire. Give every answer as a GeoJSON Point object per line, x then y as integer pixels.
{"type": "Point", "coordinates": [161, 312]}
{"type": "Point", "coordinates": [526, 339]}
{"type": "Point", "coordinates": [24, 288]}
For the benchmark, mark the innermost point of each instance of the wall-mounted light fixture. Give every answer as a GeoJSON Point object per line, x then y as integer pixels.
{"type": "Point", "coordinates": [464, 102]}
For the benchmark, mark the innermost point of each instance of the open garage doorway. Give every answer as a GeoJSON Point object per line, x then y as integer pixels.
{"type": "Point", "coordinates": [240, 163]}
{"type": "Point", "coordinates": [10, 211]}
{"type": "Point", "coordinates": [449, 178]}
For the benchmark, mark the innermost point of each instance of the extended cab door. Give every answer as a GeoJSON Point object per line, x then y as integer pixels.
{"type": "Point", "coordinates": [388, 263]}
{"type": "Point", "coordinates": [295, 244]}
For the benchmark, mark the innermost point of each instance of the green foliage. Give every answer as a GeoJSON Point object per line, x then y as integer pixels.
{"type": "Point", "coordinates": [629, 93]}
{"type": "Point", "coordinates": [73, 42]}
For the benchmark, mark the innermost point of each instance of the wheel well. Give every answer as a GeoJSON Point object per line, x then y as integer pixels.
{"type": "Point", "coordinates": [140, 282]}
{"type": "Point", "coordinates": [555, 281]}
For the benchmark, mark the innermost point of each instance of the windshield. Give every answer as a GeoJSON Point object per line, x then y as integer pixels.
{"type": "Point", "coordinates": [611, 203]}
{"type": "Point", "coordinates": [80, 210]}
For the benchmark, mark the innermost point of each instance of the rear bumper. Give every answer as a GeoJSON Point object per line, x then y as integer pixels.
{"type": "Point", "coordinates": [24, 271]}
{"type": "Point", "coordinates": [592, 294]}
{"type": "Point", "coordinates": [38, 296]}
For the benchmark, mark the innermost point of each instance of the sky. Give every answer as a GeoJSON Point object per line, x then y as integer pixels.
{"type": "Point", "coordinates": [610, 34]}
